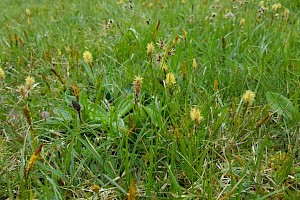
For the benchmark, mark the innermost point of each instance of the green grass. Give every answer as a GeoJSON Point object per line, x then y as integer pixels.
{"type": "Point", "coordinates": [238, 151]}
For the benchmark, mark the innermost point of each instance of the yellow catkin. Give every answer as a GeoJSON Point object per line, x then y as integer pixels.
{"type": "Point", "coordinates": [196, 115]}
{"type": "Point", "coordinates": [242, 22]}
{"type": "Point", "coordinates": [76, 91]}
{"type": "Point", "coordinates": [22, 90]}
{"type": "Point", "coordinates": [2, 73]}
{"type": "Point", "coordinates": [33, 158]}
{"type": "Point", "coordinates": [184, 34]}
{"type": "Point", "coordinates": [137, 85]}
{"type": "Point", "coordinates": [194, 64]}
{"type": "Point", "coordinates": [164, 66]}
{"type": "Point", "coordinates": [87, 57]}
{"type": "Point", "coordinates": [29, 82]}
{"type": "Point", "coordinates": [150, 49]}
{"type": "Point", "coordinates": [176, 40]}
{"type": "Point", "coordinates": [170, 79]}
{"type": "Point", "coordinates": [96, 188]}
{"type": "Point", "coordinates": [132, 191]}
{"type": "Point", "coordinates": [248, 96]}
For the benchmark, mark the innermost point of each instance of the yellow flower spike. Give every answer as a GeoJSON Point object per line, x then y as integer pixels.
{"type": "Point", "coordinates": [87, 57]}
{"type": "Point", "coordinates": [150, 49]}
{"type": "Point", "coordinates": [2, 73]}
{"type": "Point", "coordinates": [164, 66]}
{"type": "Point", "coordinates": [194, 64]}
{"type": "Point", "coordinates": [22, 90]}
{"type": "Point", "coordinates": [196, 115]}
{"type": "Point", "coordinates": [137, 87]}
{"type": "Point", "coordinates": [242, 22]}
{"type": "Point", "coordinates": [132, 190]}
{"type": "Point", "coordinates": [176, 40]}
{"type": "Point", "coordinates": [170, 80]}
{"type": "Point", "coordinates": [28, 12]}
{"type": "Point", "coordinates": [248, 96]}
{"type": "Point", "coordinates": [184, 34]}
{"type": "Point", "coordinates": [29, 82]}
{"type": "Point", "coordinates": [33, 158]}
{"type": "Point", "coordinates": [96, 188]}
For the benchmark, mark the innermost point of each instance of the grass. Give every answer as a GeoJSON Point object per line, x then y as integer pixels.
{"type": "Point", "coordinates": [78, 124]}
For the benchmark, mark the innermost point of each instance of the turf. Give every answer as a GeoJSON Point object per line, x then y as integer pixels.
{"type": "Point", "coordinates": [149, 99]}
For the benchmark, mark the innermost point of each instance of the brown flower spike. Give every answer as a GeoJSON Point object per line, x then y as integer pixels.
{"type": "Point", "coordinates": [33, 158]}
{"type": "Point", "coordinates": [137, 87]}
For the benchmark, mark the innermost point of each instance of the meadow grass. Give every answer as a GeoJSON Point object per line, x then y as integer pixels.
{"type": "Point", "coordinates": [153, 99]}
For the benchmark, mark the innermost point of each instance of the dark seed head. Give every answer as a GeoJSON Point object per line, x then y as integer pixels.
{"type": "Point", "coordinates": [76, 105]}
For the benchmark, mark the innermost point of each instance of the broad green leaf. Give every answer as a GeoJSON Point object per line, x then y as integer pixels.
{"type": "Point", "coordinates": [281, 105]}
{"type": "Point", "coordinates": [89, 72]}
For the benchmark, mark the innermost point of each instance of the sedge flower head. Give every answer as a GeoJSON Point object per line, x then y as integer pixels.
{"type": "Point", "coordinates": [164, 66]}
{"type": "Point", "coordinates": [87, 57]}
{"type": "Point", "coordinates": [137, 85]}
{"type": "Point", "coordinates": [22, 90]}
{"type": "Point", "coordinates": [286, 13]}
{"type": "Point", "coordinates": [29, 81]}
{"type": "Point", "coordinates": [276, 6]}
{"type": "Point", "coordinates": [96, 188]}
{"type": "Point", "coordinates": [2, 73]}
{"type": "Point", "coordinates": [150, 49]}
{"type": "Point", "coordinates": [170, 79]}
{"type": "Point", "coordinates": [27, 12]}
{"type": "Point", "coordinates": [194, 63]}
{"type": "Point", "coordinates": [242, 22]}
{"type": "Point", "coordinates": [261, 3]}
{"type": "Point", "coordinates": [248, 96]}
{"type": "Point", "coordinates": [196, 115]}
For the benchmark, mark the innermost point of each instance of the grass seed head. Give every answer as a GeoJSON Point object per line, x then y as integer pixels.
{"type": "Point", "coordinates": [137, 85]}
{"type": "Point", "coordinates": [28, 12]}
{"type": "Point", "coordinates": [27, 114]}
{"type": "Point", "coordinates": [242, 22]}
{"type": "Point", "coordinates": [164, 66]}
{"type": "Point", "coordinates": [22, 90]}
{"type": "Point", "coordinates": [29, 82]}
{"type": "Point", "coordinates": [184, 33]}
{"type": "Point", "coordinates": [2, 73]}
{"type": "Point", "coordinates": [276, 6]}
{"type": "Point", "coordinates": [96, 188]}
{"type": "Point", "coordinates": [33, 158]}
{"type": "Point", "coordinates": [196, 115]}
{"type": "Point", "coordinates": [248, 96]}
{"type": "Point", "coordinates": [150, 49]}
{"type": "Point", "coordinates": [194, 63]}
{"type": "Point", "coordinates": [176, 40]}
{"type": "Point", "coordinates": [87, 57]}
{"type": "Point", "coordinates": [170, 79]}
